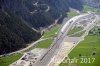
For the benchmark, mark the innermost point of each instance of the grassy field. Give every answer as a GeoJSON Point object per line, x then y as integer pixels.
{"type": "Point", "coordinates": [72, 13]}
{"type": "Point", "coordinates": [42, 44]}
{"type": "Point", "coordinates": [91, 9]}
{"type": "Point", "coordinates": [86, 49]}
{"type": "Point", "coordinates": [77, 34]}
{"type": "Point", "coordinates": [7, 60]}
{"type": "Point", "coordinates": [74, 30]}
{"type": "Point", "coordinates": [51, 32]}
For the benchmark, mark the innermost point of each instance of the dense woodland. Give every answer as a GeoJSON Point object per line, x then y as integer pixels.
{"type": "Point", "coordinates": [17, 17]}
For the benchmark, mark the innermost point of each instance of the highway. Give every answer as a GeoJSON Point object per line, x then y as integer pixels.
{"type": "Point", "coordinates": [63, 43]}
{"type": "Point", "coordinates": [52, 50]}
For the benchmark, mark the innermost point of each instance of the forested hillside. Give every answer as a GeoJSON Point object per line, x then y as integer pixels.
{"type": "Point", "coordinates": [18, 17]}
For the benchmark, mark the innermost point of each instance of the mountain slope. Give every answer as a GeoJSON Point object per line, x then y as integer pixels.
{"type": "Point", "coordinates": [18, 17]}
{"type": "Point", "coordinates": [14, 33]}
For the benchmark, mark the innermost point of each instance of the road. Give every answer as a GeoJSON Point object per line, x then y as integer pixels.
{"type": "Point", "coordinates": [44, 61]}
{"type": "Point", "coordinates": [24, 49]}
